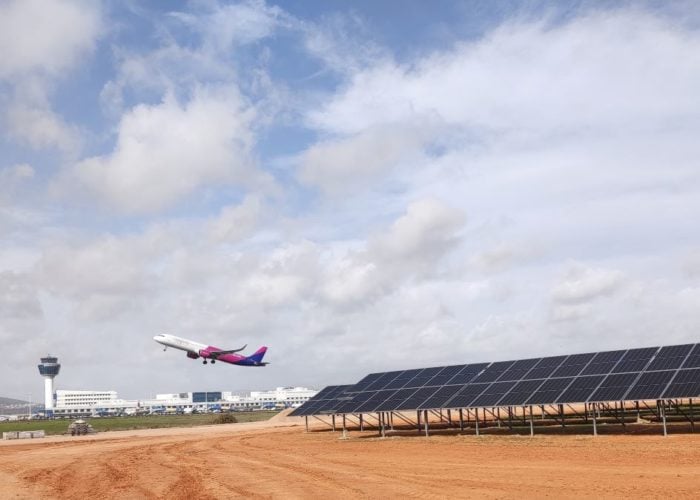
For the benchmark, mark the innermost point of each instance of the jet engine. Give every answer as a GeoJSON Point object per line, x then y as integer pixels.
{"type": "Point", "coordinates": [192, 355]}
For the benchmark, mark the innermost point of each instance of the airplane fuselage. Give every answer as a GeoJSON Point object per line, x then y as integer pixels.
{"type": "Point", "coordinates": [196, 350]}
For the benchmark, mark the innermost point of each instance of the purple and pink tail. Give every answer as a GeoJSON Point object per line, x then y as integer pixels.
{"type": "Point", "coordinates": [257, 356]}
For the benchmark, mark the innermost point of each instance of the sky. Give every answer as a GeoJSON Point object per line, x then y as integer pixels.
{"type": "Point", "coordinates": [360, 186]}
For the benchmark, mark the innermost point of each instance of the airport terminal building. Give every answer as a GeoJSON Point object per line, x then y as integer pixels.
{"type": "Point", "coordinates": [106, 403]}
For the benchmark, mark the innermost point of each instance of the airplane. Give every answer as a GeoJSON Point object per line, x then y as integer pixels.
{"type": "Point", "coordinates": [207, 352]}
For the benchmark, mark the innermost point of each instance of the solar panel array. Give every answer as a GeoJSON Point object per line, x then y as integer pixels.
{"type": "Point", "coordinates": [625, 375]}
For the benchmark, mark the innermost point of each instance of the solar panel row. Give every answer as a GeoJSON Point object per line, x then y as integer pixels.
{"type": "Point", "coordinates": [635, 374]}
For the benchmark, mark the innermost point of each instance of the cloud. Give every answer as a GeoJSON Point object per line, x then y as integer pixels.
{"type": "Point", "coordinates": [534, 76]}
{"type": "Point", "coordinates": [582, 284]}
{"type": "Point", "coordinates": [40, 42]}
{"type": "Point", "coordinates": [227, 26]}
{"type": "Point", "coordinates": [341, 165]}
{"type": "Point", "coordinates": [167, 151]}
{"type": "Point", "coordinates": [45, 36]}
{"type": "Point", "coordinates": [235, 222]}
{"type": "Point", "coordinates": [411, 248]}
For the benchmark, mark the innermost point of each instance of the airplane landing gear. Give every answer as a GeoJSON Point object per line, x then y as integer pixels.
{"type": "Point", "coordinates": [204, 362]}
{"type": "Point", "coordinates": [213, 361]}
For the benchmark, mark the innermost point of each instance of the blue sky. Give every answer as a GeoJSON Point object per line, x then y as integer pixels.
{"type": "Point", "coordinates": [361, 187]}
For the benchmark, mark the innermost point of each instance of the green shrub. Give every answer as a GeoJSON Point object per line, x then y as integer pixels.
{"type": "Point", "coordinates": [225, 418]}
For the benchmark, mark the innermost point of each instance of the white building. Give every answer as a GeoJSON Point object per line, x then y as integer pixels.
{"type": "Point", "coordinates": [84, 398]}
{"type": "Point", "coordinates": [103, 403]}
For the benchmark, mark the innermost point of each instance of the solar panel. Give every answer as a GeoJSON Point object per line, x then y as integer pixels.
{"type": "Point", "coordinates": [468, 373]}
{"type": "Point", "coordinates": [518, 369]}
{"type": "Point", "coordinates": [325, 398]}
{"type": "Point", "coordinates": [603, 363]}
{"type": "Point", "coordinates": [573, 365]}
{"type": "Point", "coordinates": [635, 374]}
{"type": "Point", "coordinates": [614, 387]}
{"type": "Point", "coordinates": [635, 360]}
{"type": "Point", "coordinates": [365, 382]}
{"type": "Point", "coordinates": [693, 360]}
{"type": "Point", "coordinates": [417, 398]}
{"type": "Point", "coordinates": [400, 380]}
{"type": "Point", "coordinates": [381, 381]}
{"type": "Point", "coordinates": [686, 384]}
{"type": "Point", "coordinates": [493, 394]}
{"type": "Point", "coordinates": [580, 389]}
{"type": "Point", "coordinates": [466, 395]}
{"type": "Point", "coordinates": [545, 367]}
{"type": "Point", "coordinates": [440, 397]}
{"type": "Point", "coordinates": [445, 375]}
{"type": "Point", "coordinates": [425, 376]}
{"type": "Point", "coordinates": [520, 393]}
{"type": "Point", "coordinates": [549, 391]}
{"type": "Point", "coordinates": [670, 357]}
{"type": "Point", "coordinates": [494, 371]}
{"type": "Point", "coordinates": [394, 400]}
{"type": "Point", "coordinates": [650, 385]}
{"type": "Point", "coordinates": [373, 401]}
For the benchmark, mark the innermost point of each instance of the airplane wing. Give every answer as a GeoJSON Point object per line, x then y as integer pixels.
{"type": "Point", "coordinates": [216, 354]}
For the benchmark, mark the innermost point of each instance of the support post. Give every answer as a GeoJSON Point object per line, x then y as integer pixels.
{"type": "Point", "coordinates": [418, 420]}
{"type": "Point", "coordinates": [306, 420]}
{"type": "Point", "coordinates": [595, 426]}
{"type": "Point", "coordinates": [425, 422]}
{"type": "Point", "coordinates": [622, 414]}
{"type": "Point", "coordinates": [510, 418]}
{"type": "Point", "coordinates": [345, 431]}
{"type": "Point", "coordinates": [663, 416]}
{"type": "Point", "coordinates": [692, 423]}
{"type": "Point", "coordinates": [362, 423]}
{"type": "Point", "coordinates": [498, 417]}
{"type": "Point", "coordinates": [449, 418]}
{"type": "Point", "coordinates": [532, 423]}
{"type": "Point", "coordinates": [461, 420]}
{"type": "Point", "coordinates": [333, 420]}
{"type": "Point", "coordinates": [476, 419]}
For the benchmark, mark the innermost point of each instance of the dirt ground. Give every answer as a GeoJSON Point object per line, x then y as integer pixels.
{"type": "Point", "coordinates": [274, 460]}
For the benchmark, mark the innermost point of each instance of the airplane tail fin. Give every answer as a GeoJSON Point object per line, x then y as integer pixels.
{"type": "Point", "coordinates": [257, 356]}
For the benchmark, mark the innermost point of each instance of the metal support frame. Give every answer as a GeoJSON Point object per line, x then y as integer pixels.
{"type": "Point", "coordinates": [688, 416]}
{"type": "Point", "coordinates": [532, 423]}
{"type": "Point", "coordinates": [461, 420]}
{"type": "Point", "coordinates": [425, 423]}
{"type": "Point", "coordinates": [400, 417]}
{"type": "Point", "coordinates": [418, 420]}
{"type": "Point", "coordinates": [345, 431]}
{"type": "Point", "coordinates": [322, 421]}
{"type": "Point", "coordinates": [333, 420]}
{"type": "Point", "coordinates": [306, 421]}
{"type": "Point", "coordinates": [476, 419]}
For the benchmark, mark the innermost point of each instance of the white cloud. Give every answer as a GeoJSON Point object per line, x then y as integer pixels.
{"type": "Point", "coordinates": [40, 42]}
{"type": "Point", "coordinates": [45, 36]}
{"type": "Point", "coordinates": [235, 222]}
{"type": "Point", "coordinates": [167, 151]}
{"type": "Point", "coordinates": [41, 128]}
{"type": "Point", "coordinates": [341, 165]}
{"type": "Point", "coordinates": [582, 284]}
{"type": "Point", "coordinates": [606, 70]}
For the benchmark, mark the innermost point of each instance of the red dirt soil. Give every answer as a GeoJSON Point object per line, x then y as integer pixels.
{"type": "Point", "coordinates": [264, 460]}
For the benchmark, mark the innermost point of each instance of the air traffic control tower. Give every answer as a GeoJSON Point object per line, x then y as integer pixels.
{"type": "Point", "coordinates": [49, 368]}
